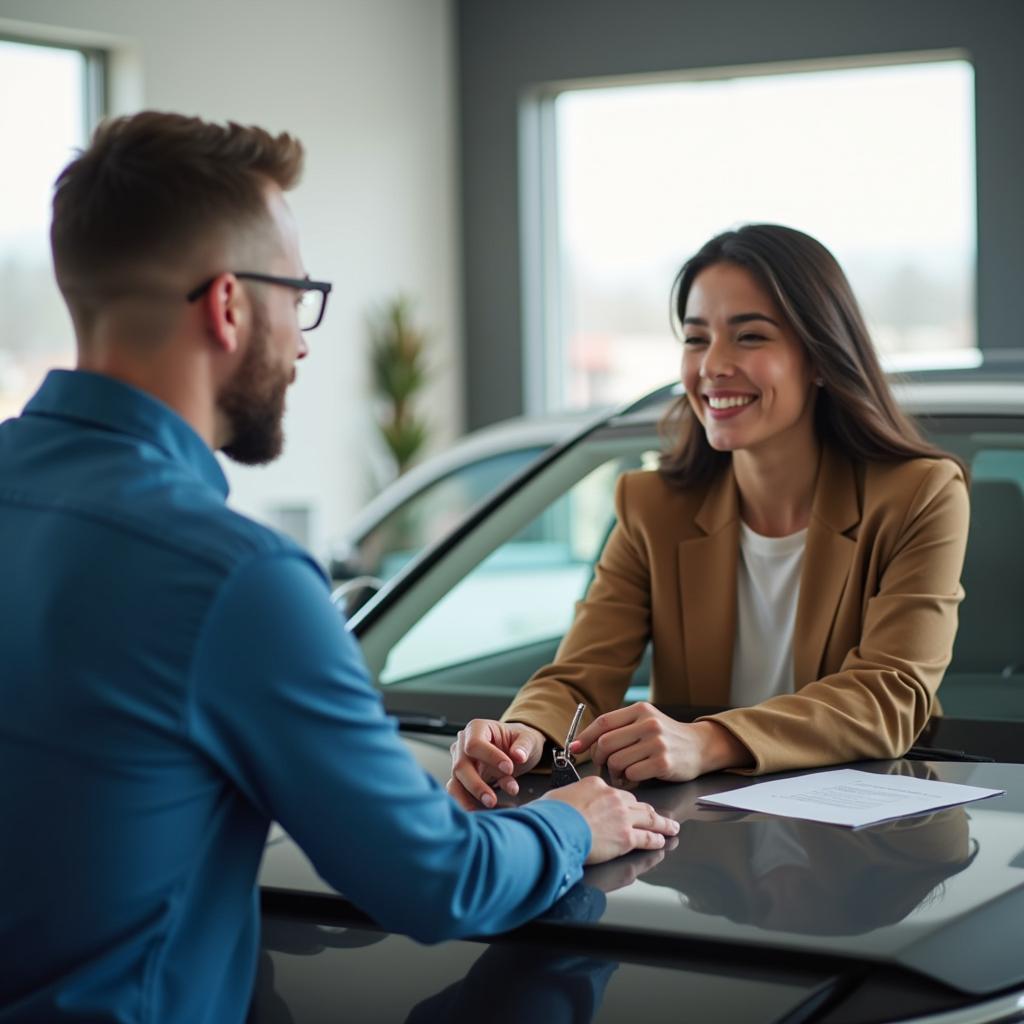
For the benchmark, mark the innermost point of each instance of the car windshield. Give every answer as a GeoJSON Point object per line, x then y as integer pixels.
{"type": "Point", "coordinates": [432, 511]}
{"type": "Point", "coordinates": [493, 608]}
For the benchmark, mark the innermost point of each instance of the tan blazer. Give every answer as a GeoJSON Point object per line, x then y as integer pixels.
{"type": "Point", "coordinates": [876, 615]}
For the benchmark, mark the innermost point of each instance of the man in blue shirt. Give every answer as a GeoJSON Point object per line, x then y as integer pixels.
{"type": "Point", "coordinates": [174, 675]}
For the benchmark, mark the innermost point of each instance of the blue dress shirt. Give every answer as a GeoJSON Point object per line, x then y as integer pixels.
{"type": "Point", "coordinates": [173, 678]}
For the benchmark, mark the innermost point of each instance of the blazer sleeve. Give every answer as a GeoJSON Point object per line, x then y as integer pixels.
{"type": "Point", "coordinates": [597, 657]}
{"type": "Point", "coordinates": [879, 700]}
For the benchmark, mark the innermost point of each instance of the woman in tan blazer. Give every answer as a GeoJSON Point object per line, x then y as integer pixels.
{"type": "Point", "coordinates": [796, 557]}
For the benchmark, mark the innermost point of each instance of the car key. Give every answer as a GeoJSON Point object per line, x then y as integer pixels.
{"type": "Point", "coordinates": [563, 772]}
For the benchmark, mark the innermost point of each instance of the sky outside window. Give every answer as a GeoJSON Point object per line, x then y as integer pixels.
{"type": "Point", "coordinates": [876, 162]}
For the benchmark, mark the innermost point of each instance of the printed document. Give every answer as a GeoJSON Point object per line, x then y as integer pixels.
{"type": "Point", "coordinates": [848, 797]}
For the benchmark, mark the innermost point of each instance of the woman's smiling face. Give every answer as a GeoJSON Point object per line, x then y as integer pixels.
{"type": "Point", "coordinates": [746, 373]}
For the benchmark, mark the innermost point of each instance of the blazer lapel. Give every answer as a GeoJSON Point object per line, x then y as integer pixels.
{"type": "Point", "coordinates": [707, 577]}
{"type": "Point", "coordinates": [828, 556]}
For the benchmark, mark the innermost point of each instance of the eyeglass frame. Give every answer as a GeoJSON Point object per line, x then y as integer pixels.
{"type": "Point", "coordinates": [300, 283]}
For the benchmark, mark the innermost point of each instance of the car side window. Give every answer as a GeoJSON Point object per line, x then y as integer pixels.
{"type": "Point", "coordinates": [523, 595]}
{"type": "Point", "coordinates": [985, 679]}
{"type": "Point", "coordinates": [504, 619]}
{"type": "Point", "coordinates": [430, 513]}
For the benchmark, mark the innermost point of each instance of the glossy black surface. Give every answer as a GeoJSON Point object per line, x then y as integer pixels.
{"type": "Point", "coordinates": [310, 973]}
{"type": "Point", "coordinates": [912, 895]}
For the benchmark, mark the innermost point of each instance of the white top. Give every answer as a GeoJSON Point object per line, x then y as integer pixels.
{"type": "Point", "coordinates": [767, 587]}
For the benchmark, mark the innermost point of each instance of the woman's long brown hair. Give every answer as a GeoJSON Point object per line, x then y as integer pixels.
{"type": "Point", "coordinates": [855, 409]}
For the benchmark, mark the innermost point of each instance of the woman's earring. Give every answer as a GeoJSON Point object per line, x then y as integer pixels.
{"type": "Point", "coordinates": [820, 381]}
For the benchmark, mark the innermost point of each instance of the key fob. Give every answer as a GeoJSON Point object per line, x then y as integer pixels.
{"type": "Point", "coordinates": [563, 771]}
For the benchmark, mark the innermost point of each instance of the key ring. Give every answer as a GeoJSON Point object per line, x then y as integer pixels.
{"type": "Point", "coordinates": [564, 772]}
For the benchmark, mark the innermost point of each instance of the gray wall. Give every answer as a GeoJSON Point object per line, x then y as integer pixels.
{"type": "Point", "coordinates": [506, 46]}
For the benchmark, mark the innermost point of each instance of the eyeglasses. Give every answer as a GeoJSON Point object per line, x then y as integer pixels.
{"type": "Point", "coordinates": [312, 299]}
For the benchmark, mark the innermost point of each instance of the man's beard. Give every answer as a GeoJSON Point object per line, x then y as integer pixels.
{"type": "Point", "coordinates": [253, 401]}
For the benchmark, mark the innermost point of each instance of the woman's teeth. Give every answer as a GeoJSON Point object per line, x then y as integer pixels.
{"type": "Point", "coordinates": [729, 403]}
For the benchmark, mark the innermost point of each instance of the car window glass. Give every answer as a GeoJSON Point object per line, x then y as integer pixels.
{"type": "Point", "coordinates": [525, 591]}
{"type": "Point", "coordinates": [985, 679]}
{"type": "Point", "coordinates": [430, 513]}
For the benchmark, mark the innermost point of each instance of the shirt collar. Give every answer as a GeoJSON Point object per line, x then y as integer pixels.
{"type": "Point", "coordinates": [113, 405]}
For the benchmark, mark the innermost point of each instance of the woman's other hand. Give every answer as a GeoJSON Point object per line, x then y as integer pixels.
{"type": "Point", "coordinates": [640, 742]}
{"type": "Point", "coordinates": [488, 755]}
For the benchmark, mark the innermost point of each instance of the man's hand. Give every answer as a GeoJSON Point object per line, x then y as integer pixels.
{"type": "Point", "coordinates": [487, 754]}
{"type": "Point", "coordinates": [618, 821]}
{"type": "Point", "coordinates": [639, 742]}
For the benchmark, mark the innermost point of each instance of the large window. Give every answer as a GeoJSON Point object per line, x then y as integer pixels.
{"type": "Point", "coordinates": [624, 183]}
{"type": "Point", "coordinates": [49, 98]}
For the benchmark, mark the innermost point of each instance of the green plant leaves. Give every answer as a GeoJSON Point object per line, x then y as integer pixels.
{"type": "Point", "coordinates": [398, 360]}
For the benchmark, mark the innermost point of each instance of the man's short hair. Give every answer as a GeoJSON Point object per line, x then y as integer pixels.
{"type": "Point", "coordinates": [153, 187]}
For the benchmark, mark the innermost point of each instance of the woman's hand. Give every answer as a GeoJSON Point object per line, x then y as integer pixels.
{"type": "Point", "coordinates": [640, 742]}
{"type": "Point", "coordinates": [488, 753]}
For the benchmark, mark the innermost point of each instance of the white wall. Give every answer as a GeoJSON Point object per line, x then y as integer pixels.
{"type": "Point", "coordinates": [368, 85]}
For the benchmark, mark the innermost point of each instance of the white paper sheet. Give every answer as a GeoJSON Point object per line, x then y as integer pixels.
{"type": "Point", "coordinates": [848, 797]}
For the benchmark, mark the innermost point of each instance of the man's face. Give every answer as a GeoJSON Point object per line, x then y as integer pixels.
{"type": "Point", "coordinates": [253, 400]}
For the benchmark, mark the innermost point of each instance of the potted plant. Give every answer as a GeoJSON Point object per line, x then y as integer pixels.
{"type": "Point", "coordinates": [398, 353]}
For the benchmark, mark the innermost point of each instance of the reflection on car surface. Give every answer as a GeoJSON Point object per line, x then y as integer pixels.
{"type": "Point", "coordinates": [745, 918]}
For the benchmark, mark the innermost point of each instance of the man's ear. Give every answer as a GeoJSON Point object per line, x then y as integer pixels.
{"type": "Point", "coordinates": [226, 309]}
